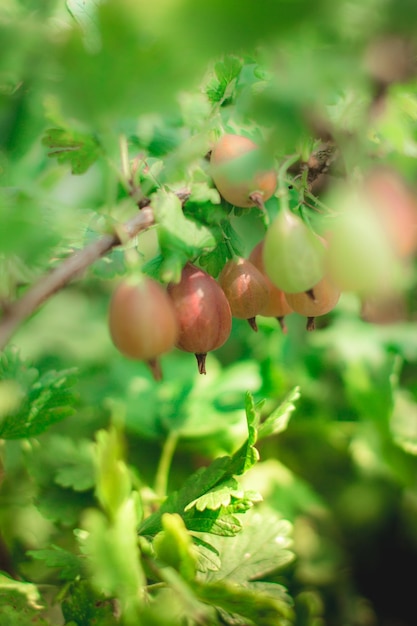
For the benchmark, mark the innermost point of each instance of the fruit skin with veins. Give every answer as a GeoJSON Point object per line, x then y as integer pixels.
{"type": "Point", "coordinates": [326, 296]}
{"type": "Point", "coordinates": [277, 305]}
{"type": "Point", "coordinates": [245, 288]}
{"type": "Point", "coordinates": [142, 321]}
{"type": "Point", "coordinates": [293, 255]}
{"type": "Point", "coordinates": [239, 180]}
{"type": "Point", "coordinates": [203, 313]}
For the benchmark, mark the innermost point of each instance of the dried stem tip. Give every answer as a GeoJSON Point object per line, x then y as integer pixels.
{"type": "Point", "coordinates": [155, 367]}
{"type": "Point", "coordinates": [281, 322]}
{"type": "Point", "coordinates": [201, 361]}
{"type": "Point", "coordinates": [311, 323]}
{"type": "Point", "coordinates": [252, 323]}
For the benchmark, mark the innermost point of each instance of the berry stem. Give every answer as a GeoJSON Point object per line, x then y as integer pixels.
{"type": "Point", "coordinates": [201, 361]}
{"type": "Point", "coordinates": [311, 323]}
{"type": "Point", "coordinates": [252, 323]}
{"type": "Point", "coordinates": [155, 367]}
{"type": "Point", "coordinates": [281, 322]}
{"type": "Point", "coordinates": [257, 199]}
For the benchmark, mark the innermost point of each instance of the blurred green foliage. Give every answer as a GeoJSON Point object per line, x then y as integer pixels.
{"type": "Point", "coordinates": [126, 501]}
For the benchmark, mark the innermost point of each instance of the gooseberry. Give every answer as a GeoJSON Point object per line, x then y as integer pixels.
{"type": "Point", "coordinates": [235, 168]}
{"type": "Point", "coordinates": [293, 254]}
{"type": "Point", "coordinates": [326, 296]}
{"type": "Point", "coordinates": [203, 313]}
{"type": "Point", "coordinates": [276, 306]}
{"type": "Point", "coordinates": [142, 321]}
{"type": "Point", "coordinates": [245, 288]}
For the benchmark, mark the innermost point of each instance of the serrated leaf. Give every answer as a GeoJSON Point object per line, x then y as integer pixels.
{"type": "Point", "coordinates": [228, 69]}
{"type": "Point", "coordinates": [44, 399]}
{"type": "Point", "coordinates": [82, 607]}
{"type": "Point", "coordinates": [219, 522]}
{"type": "Point", "coordinates": [196, 485]}
{"type": "Point", "coordinates": [261, 608]}
{"type": "Point", "coordinates": [69, 564]}
{"type": "Point", "coordinates": [62, 506]}
{"type": "Point", "coordinates": [217, 497]}
{"type": "Point", "coordinates": [260, 549]}
{"type": "Point", "coordinates": [76, 468]}
{"type": "Point", "coordinates": [214, 261]}
{"type": "Point", "coordinates": [247, 455]}
{"type": "Point", "coordinates": [208, 558]}
{"type": "Point", "coordinates": [179, 238]}
{"type": "Point", "coordinates": [215, 90]}
{"type": "Point", "coordinates": [203, 481]}
{"type": "Point", "coordinates": [80, 151]}
{"type": "Point", "coordinates": [278, 420]}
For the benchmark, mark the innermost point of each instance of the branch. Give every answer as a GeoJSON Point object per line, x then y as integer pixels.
{"type": "Point", "coordinates": [70, 268]}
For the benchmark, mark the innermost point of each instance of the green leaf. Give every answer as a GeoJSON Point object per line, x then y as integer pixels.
{"type": "Point", "coordinates": [220, 522]}
{"type": "Point", "coordinates": [37, 401]}
{"type": "Point", "coordinates": [220, 495]}
{"type": "Point", "coordinates": [69, 564]}
{"type": "Point", "coordinates": [226, 495]}
{"type": "Point", "coordinates": [247, 455]}
{"type": "Point", "coordinates": [208, 558]}
{"type": "Point", "coordinates": [62, 506]}
{"type": "Point", "coordinates": [80, 151]}
{"type": "Point", "coordinates": [179, 238]}
{"type": "Point", "coordinates": [278, 420]}
{"type": "Point", "coordinates": [28, 590]}
{"type": "Point", "coordinates": [196, 485]}
{"type": "Point", "coordinates": [228, 69]}
{"type": "Point", "coordinates": [214, 483]}
{"type": "Point", "coordinates": [112, 553]}
{"type": "Point", "coordinates": [214, 261]}
{"type": "Point", "coordinates": [85, 13]}
{"type": "Point", "coordinates": [174, 546]}
{"type": "Point", "coordinates": [260, 608]}
{"type": "Point", "coordinates": [67, 461]}
{"type": "Point", "coordinates": [82, 606]}
{"type": "Point", "coordinates": [189, 605]}
{"type": "Point", "coordinates": [15, 611]}
{"type": "Point", "coordinates": [113, 484]}
{"type": "Point", "coordinates": [262, 547]}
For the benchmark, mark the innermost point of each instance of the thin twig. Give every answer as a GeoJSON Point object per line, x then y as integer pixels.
{"type": "Point", "coordinates": [69, 269]}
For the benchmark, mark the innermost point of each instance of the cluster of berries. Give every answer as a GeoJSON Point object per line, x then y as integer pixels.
{"type": "Point", "coordinates": [368, 251]}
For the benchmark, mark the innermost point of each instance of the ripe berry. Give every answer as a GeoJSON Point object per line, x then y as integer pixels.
{"type": "Point", "coordinates": [277, 305]}
{"type": "Point", "coordinates": [245, 288]}
{"type": "Point", "coordinates": [326, 296]}
{"type": "Point", "coordinates": [203, 313]}
{"type": "Point", "coordinates": [142, 321]}
{"type": "Point", "coordinates": [293, 254]}
{"type": "Point", "coordinates": [236, 173]}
